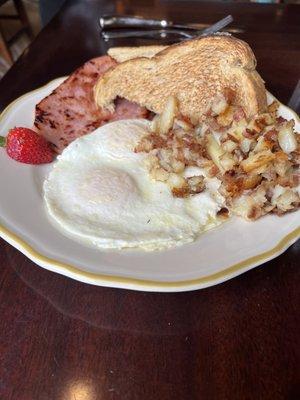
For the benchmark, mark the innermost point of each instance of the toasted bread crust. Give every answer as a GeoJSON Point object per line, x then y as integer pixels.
{"type": "Point", "coordinates": [121, 54]}
{"type": "Point", "coordinates": [195, 71]}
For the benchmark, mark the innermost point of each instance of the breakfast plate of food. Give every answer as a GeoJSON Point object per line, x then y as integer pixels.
{"type": "Point", "coordinates": [157, 168]}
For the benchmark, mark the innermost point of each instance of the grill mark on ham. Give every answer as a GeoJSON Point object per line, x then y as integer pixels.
{"type": "Point", "coordinates": [70, 110]}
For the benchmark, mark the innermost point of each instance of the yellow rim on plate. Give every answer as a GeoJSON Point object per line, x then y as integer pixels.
{"type": "Point", "coordinates": [66, 269]}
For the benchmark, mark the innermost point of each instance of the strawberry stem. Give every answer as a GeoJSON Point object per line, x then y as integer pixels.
{"type": "Point", "coordinates": [2, 141]}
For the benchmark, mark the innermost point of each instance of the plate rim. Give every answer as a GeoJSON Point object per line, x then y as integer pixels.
{"type": "Point", "coordinates": [136, 283]}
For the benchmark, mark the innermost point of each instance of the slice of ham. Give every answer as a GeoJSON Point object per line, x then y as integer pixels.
{"type": "Point", "coordinates": [70, 110]}
{"type": "Point", "coordinates": [125, 109]}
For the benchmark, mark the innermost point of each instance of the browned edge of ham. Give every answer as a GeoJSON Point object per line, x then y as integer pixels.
{"type": "Point", "coordinates": [70, 111]}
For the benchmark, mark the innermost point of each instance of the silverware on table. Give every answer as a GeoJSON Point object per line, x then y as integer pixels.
{"type": "Point", "coordinates": [129, 21]}
{"type": "Point", "coordinates": [163, 33]}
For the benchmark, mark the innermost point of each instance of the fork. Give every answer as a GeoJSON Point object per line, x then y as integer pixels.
{"type": "Point", "coordinates": [163, 33]}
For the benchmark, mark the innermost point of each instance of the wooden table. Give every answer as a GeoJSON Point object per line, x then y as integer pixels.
{"type": "Point", "coordinates": [61, 339]}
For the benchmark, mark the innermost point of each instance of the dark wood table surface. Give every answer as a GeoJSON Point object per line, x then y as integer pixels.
{"type": "Point", "coordinates": [64, 340]}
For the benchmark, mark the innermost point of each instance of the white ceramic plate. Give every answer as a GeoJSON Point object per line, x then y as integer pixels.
{"type": "Point", "coordinates": [218, 255]}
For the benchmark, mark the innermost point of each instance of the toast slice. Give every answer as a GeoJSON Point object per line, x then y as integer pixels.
{"type": "Point", "coordinates": [196, 72]}
{"type": "Point", "coordinates": [121, 54]}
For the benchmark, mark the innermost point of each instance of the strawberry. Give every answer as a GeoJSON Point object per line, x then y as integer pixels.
{"type": "Point", "coordinates": [26, 146]}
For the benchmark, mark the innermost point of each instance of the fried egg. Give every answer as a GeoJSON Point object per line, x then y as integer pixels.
{"type": "Point", "coordinates": [100, 193]}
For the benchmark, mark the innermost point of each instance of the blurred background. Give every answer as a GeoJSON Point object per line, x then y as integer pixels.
{"type": "Point", "coordinates": [21, 21]}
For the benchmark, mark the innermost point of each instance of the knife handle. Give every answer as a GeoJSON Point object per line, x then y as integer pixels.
{"type": "Point", "coordinates": [114, 21]}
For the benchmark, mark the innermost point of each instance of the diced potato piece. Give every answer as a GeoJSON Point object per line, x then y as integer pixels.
{"type": "Point", "coordinates": [254, 126]}
{"type": "Point", "coordinates": [257, 160]}
{"type": "Point", "coordinates": [286, 201]}
{"type": "Point", "coordinates": [196, 184]}
{"type": "Point", "coordinates": [183, 125]}
{"type": "Point", "coordinates": [246, 145]}
{"type": "Point", "coordinates": [200, 130]}
{"type": "Point", "coordinates": [223, 160]}
{"type": "Point", "coordinates": [219, 105]}
{"type": "Point", "coordinates": [178, 166]}
{"type": "Point", "coordinates": [159, 174]}
{"type": "Point", "coordinates": [265, 119]}
{"type": "Point", "coordinates": [251, 206]}
{"type": "Point", "coordinates": [259, 195]}
{"type": "Point", "coordinates": [155, 124]}
{"type": "Point", "coordinates": [214, 150]}
{"type": "Point", "coordinates": [287, 139]}
{"type": "Point", "coordinates": [229, 146]}
{"type": "Point", "coordinates": [273, 107]}
{"type": "Point", "coordinates": [245, 207]}
{"type": "Point", "coordinates": [165, 159]}
{"type": "Point", "coordinates": [261, 145]}
{"type": "Point", "coordinates": [151, 162]}
{"type": "Point", "coordinates": [237, 129]}
{"type": "Point", "coordinates": [186, 153]}
{"type": "Point", "coordinates": [227, 162]}
{"type": "Point", "coordinates": [176, 181]}
{"type": "Point", "coordinates": [282, 164]}
{"type": "Point", "coordinates": [167, 117]}
{"type": "Point", "coordinates": [251, 181]}
{"type": "Point", "coordinates": [226, 117]}
{"type": "Point", "coordinates": [145, 145]}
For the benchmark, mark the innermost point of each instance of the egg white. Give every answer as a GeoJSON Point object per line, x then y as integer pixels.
{"type": "Point", "coordinates": [100, 192]}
